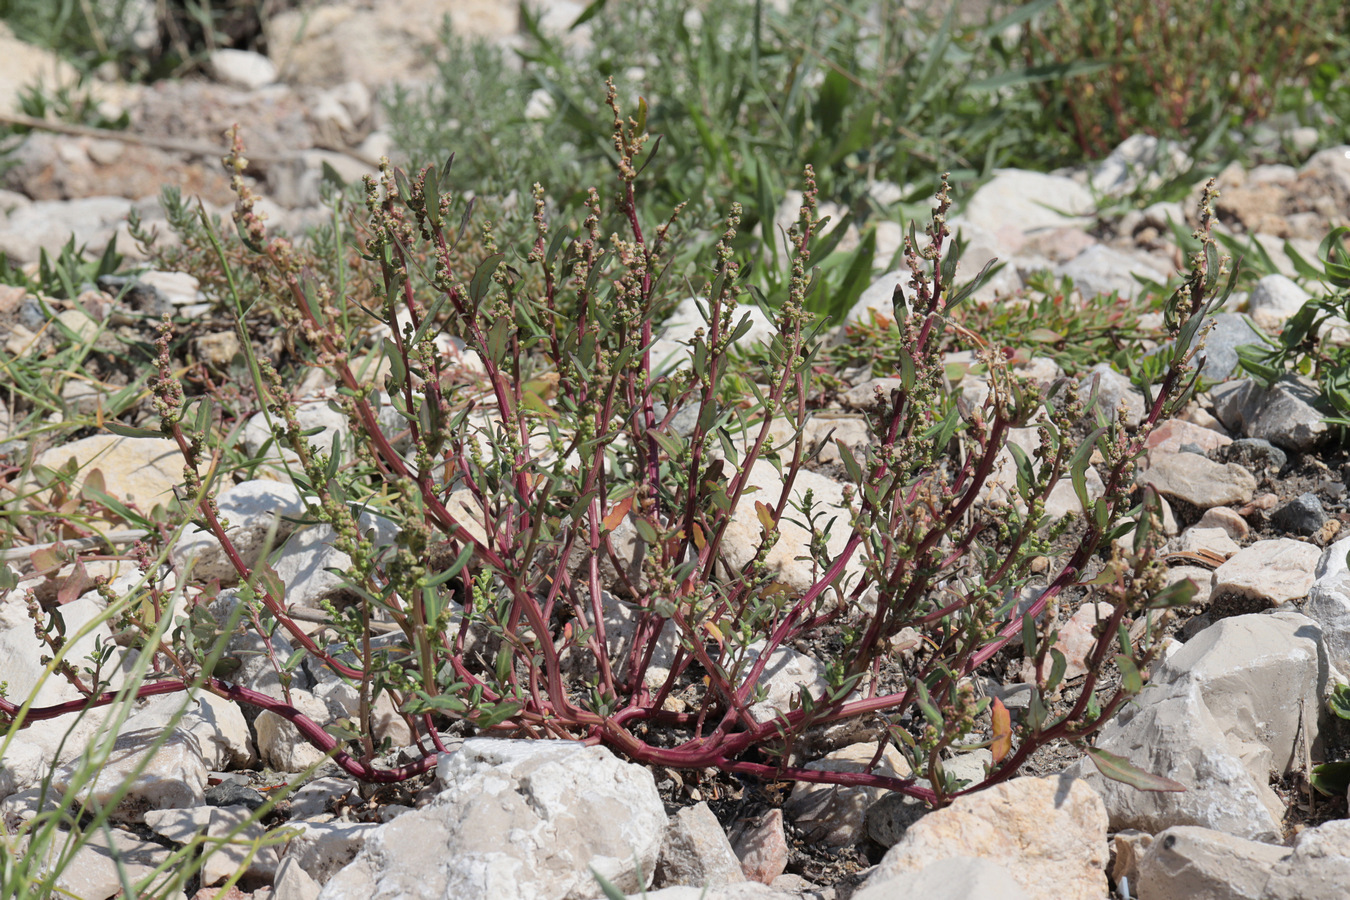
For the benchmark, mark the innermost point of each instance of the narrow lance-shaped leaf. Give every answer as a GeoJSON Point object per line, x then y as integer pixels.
{"type": "Point", "coordinates": [1118, 768]}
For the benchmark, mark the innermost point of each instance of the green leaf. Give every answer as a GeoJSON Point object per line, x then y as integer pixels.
{"type": "Point", "coordinates": [1302, 267]}
{"type": "Point", "coordinates": [645, 530]}
{"type": "Point", "coordinates": [498, 335]}
{"type": "Point", "coordinates": [669, 443]}
{"type": "Point", "coordinates": [851, 467]}
{"type": "Point", "coordinates": [1078, 467]}
{"type": "Point", "coordinates": [1130, 677]}
{"type": "Point", "coordinates": [334, 457]}
{"type": "Point", "coordinates": [497, 714]}
{"type": "Point", "coordinates": [398, 371]}
{"type": "Point", "coordinates": [1024, 13]}
{"type": "Point", "coordinates": [1339, 701]}
{"type": "Point", "coordinates": [1331, 779]}
{"type": "Point", "coordinates": [985, 273]}
{"type": "Point", "coordinates": [482, 277]}
{"type": "Point", "coordinates": [1059, 664]}
{"type": "Point", "coordinates": [1025, 473]}
{"type": "Point", "coordinates": [1118, 768]}
{"type": "Point", "coordinates": [1174, 595]}
{"type": "Point", "coordinates": [610, 891]}
{"type": "Point", "coordinates": [127, 431]}
{"type": "Point", "coordinates": [931, 713]}
{"type": "Point", "coordinates": [460, 562]}
{"type": "Point", "coordinates": [1028, 636]}
{"type": "Point", "coordinates": [1037, 714]}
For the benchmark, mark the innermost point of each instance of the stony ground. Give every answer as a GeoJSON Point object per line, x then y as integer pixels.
{"type": "Point", "coordinates": [1258, 502]}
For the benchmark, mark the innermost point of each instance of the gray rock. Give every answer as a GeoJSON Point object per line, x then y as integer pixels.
{"type": "Point", "coordinates": [1190, 863]}
{"type": "Point", "coordinates": [1141, 161]}
{"type": "Point", "coordinates": [879, 297]}
{"type": "Point", "coordinates": [235, 856]}
{"type": "Point", "coordinates": [310, 415]}
{"type": "Point", "coordinates": [241, 68]}
{"type": "Point", "coordinates": [784, 675]}
{"type": "Point", "coordinates": [280, 743]}
{"type": "Point", "coordinates": [342, 115]}
{"type": "Point", "coordinates": [49, 224]}
{"type": "Point", "coordinates": [229, 793]}
{"type": "Point", "coordinates": [1328, 602]}
{"type": "Point", "coordinates": [1302, 515]}
{"type": "Point", "coordinates": [97, 869]}
{"type": "Point", "coordinates": [761, 846]}
{"type": "Point", "coordinates": [1170, 435]}
{"type": "Point", "coordinates": [1318, 867]}
{"type": "Point", "coordinates": [21, 670]}
{"type": "Point", "coordinates": [789, 559]}
{"type": "Point", "coordinates": [219, 725]}
{"type": "Point", "coordinates": [621, 625]}
{"type": "Point", "coordinates": [1113, 390]}
{"type": "Point", "coordinates": [1229, 332]}
{"type": "Point", "coordinates": [155, 772]}
{"type": "Point", "coordinates": [1274, 300]}
{"type": "Point", "coordinates": [1198, 481]}
{"type": "Point", "coordinates": [1128, 848]}
{"type": "Point", "coordinates": [671, 350]}
{"type": "Point", "coordinates": [1286, 414]}
{"type": "Point", "coordinates": [253, 653]}
{"type": "Point", "coordinates": [833, 814]}
{"type": "Point", "coordinates": [1225, 518]}
{"type": "Point", "coordinates": [1268, 572]}
{"type": "Point", "coordinates": [746, 890]}
{"type": "Point", "coordinates": [696, 851]}
{"type": "Point", "coordinates": [252, 510]}
{"type": "Point", "coordinates": [310, 553]}
{"type": "Point", "coordinates": [1213, 540]}
{"type": "Point", "coordinates": [297, 183]}
{"type": "Point", "coordinates": [1103, 270]}
{"type": "Point", "coordinates": [322, 850]}
{"type": "Point", "coordinates": [176, 289]}
{"type": "Point", "coordinates": [294, 883]}
{"type": "Point", "coordinates": [315, 800]}
{"type": "Point", "coordinates": [521, 819]}
{"type": "Point", "coordinates": [864, 396]}
{"type": "Point", "coordinates": [1220, 716]}
{"type": "Point", "coordinates": [890, 817]}
{"type": "Point", "coordinates": [954, 878]}
{"type": "Point", "coordinates": [981, 248]}
{"type": "Point", "coordinates": [1257, 454]}
{"type": "Point", "coordinates": [1015, 202]}
{"type": "Point", "coordinates": [1050, 833]}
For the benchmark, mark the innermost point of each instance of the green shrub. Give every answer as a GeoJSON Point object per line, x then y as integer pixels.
{"type": "Point", "coordinates": [530, 481]}
{"type": "Point", "coordinates": [1305, 346]}
{"type": "Point", "coordinates": [1180, 70]}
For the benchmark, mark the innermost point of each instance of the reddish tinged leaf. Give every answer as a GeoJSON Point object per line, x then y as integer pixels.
{"type": "Point", "coordinates": [1001, 746]}
{"type": "Point", "coordinates": [617, 513]}
{"type": "Point", "coordinates": [765, 515]}
{"type": "Point", "coordinates": [699, 540]}
{"type": "Point", "coordinates": [1118, 768]}
{"type": "Point", "coordinates": [75, 585]}
{"type": "Point", "coordinates": [93, 485]}
{"type": "Point", "coordinates": [46, 559]}
{"type": "Point", "coordinates": [775, 590]}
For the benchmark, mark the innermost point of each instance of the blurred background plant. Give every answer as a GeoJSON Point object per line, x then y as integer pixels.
{"type": "Point", "coordinates": [140, 39]}
{"type": "Point", "coordinates": [1181, 69]}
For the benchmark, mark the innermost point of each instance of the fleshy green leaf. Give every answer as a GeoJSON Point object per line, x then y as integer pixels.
{"type": "Point", "coordinates": [1331, 779]}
